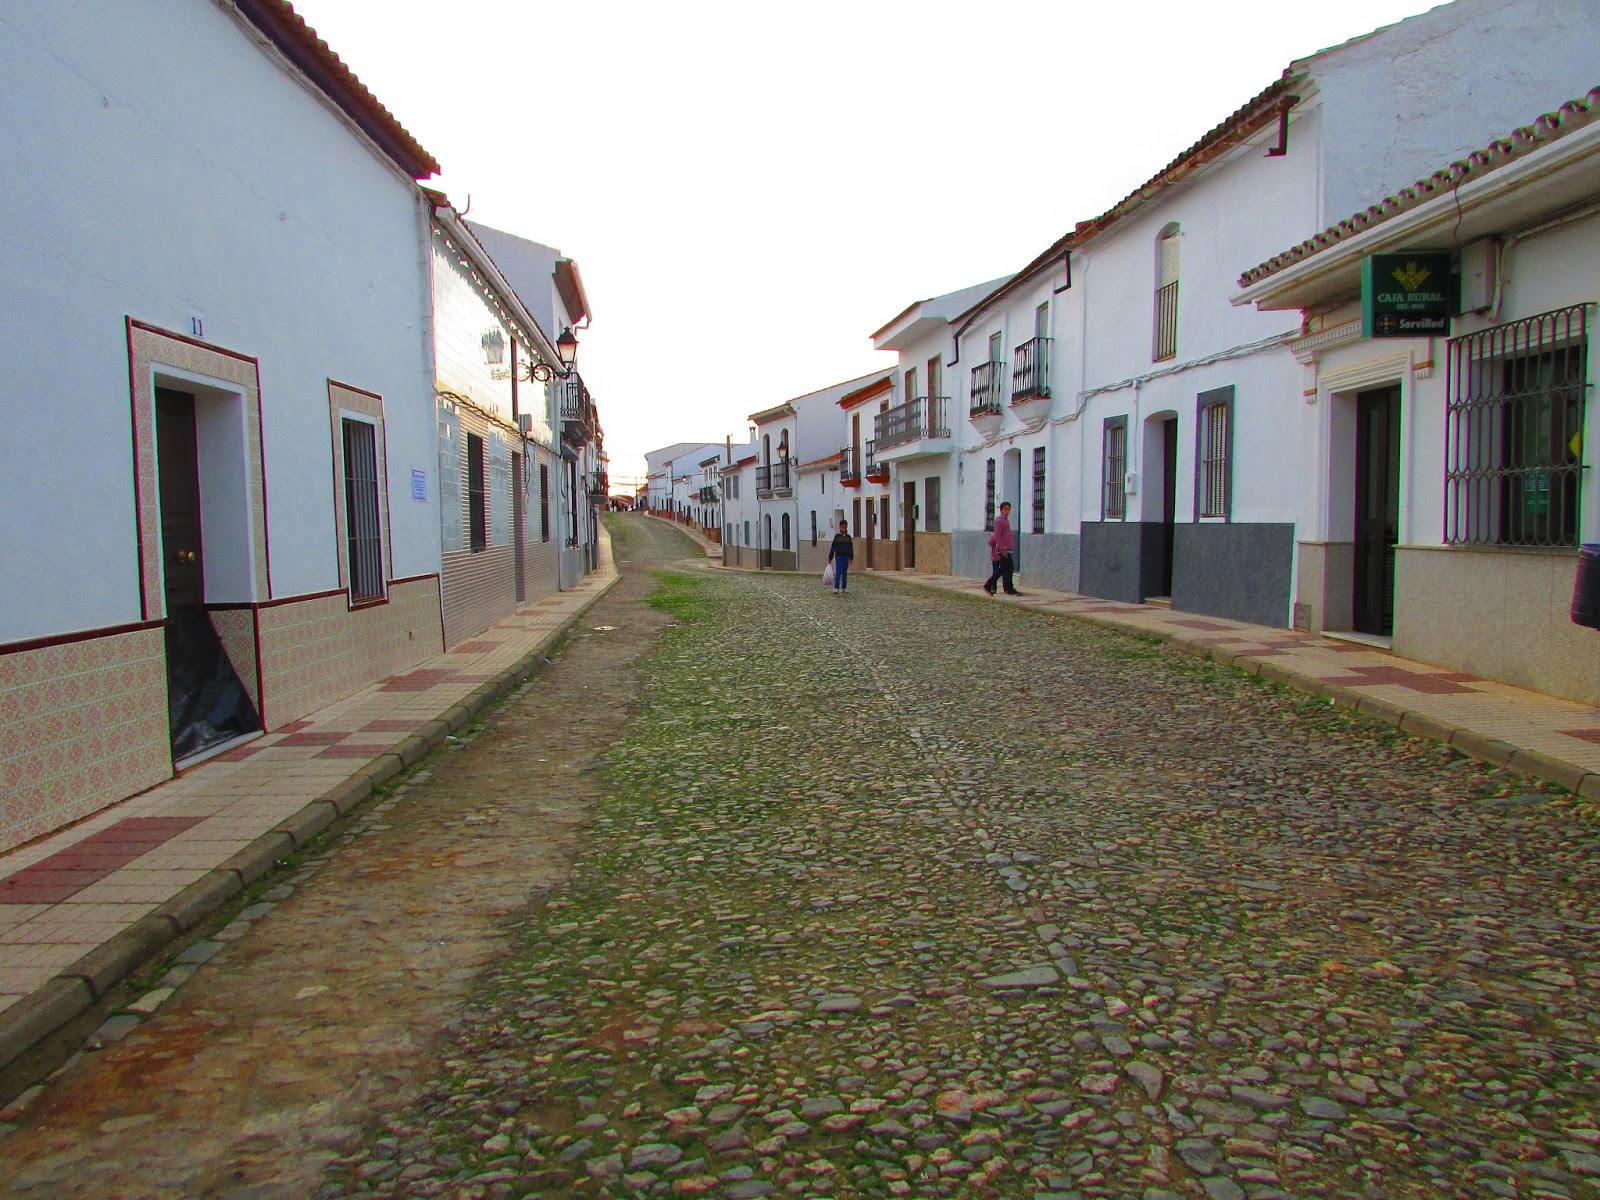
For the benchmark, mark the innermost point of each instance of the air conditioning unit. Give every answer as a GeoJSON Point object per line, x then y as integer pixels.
{"type": "Point", "coordinates": [525, 423]}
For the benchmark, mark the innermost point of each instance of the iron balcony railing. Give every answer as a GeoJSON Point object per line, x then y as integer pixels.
{"type": "Point", "coordinates": [1030, 374]}
{"type": "Point", "coordinates": [578, 421]}
{"type": "Point", "coordinates": [988, 387]}
{"type": "Point", "coordinates": [912, 421]}
{"type": "Point", "coordinates": [772, 477]}
{"type": "Point", "coordinates": [875, 469]}
{"type": "Point", "coordinates": [708, 494]}
{"type": "Point", "coordinates": [849, 466]}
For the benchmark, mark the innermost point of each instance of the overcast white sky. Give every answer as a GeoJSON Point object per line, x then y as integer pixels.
{"type": "Point", "coordinates": [750, 189]}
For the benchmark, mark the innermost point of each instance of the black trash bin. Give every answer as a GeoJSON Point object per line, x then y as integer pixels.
{"type": "Point", "coordinates": [1586, 590]}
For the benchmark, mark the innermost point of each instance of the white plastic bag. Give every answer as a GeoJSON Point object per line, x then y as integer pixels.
{"type": "Point", "coordinates": [827, 574]}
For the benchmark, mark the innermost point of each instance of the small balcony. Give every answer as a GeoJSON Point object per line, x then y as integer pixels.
{"type": "Point", "coordinates": [917, 427]}
{"type": "Point", "coordinates": [1030, 373]}
{"type": "Point", "coordinates": [579, 425]}
{"type": "Point", "coordinates": [988, 390]}
{"type": "Point", "coordinates": [772, 479]}
{"type": "Point", "coordinates": [877, 472]}
{"type": "Point", "coordinates": [849, 467]}
{"type": "Point", "coordinates": [708, 494]}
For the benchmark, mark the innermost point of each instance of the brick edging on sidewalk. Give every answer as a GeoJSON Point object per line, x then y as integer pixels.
{"type": "Point", "coordinates": [1464, 740]}
{"type": "Point", "coordinates": [79, 987]}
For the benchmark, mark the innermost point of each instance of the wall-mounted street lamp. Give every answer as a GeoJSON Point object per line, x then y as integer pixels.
{"type": "Point", "coordinates": [566, 348]}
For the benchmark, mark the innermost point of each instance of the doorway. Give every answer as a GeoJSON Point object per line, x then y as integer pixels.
{"type": "Point", "coordinates": [908, 525]}
{"type": "Point", "coordinates": [207, 705]}
{"type": "Point", "coordinates": [1169, 500]}
{"type": "Point", "coordinates": [1377, 516]}
{"type": "Point", "coordinates": [518, 521]}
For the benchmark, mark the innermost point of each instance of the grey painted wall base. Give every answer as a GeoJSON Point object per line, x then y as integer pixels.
{"type": "Point", "coordinates": [1111, 561]}
{"type": "Point", "coordinates": [1047, 560]}
{"type": "Point", "coordinates": [1238, 571]}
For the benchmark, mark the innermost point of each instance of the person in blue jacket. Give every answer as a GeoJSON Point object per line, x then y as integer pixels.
{"type": "Point", "coordinates": [840, 553]}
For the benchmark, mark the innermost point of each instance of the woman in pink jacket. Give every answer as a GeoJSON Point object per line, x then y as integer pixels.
{"type": "Point", "coordinates": [1002, 551]}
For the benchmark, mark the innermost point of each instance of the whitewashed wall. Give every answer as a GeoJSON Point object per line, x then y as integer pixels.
{"type": "Point", "coordinates": [1431, 89]}
{"type": "Point", "coordinates": [173, 169]}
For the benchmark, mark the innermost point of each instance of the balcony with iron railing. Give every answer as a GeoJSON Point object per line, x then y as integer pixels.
{"type": "Point", "coordinates": [1030, 373]}
{"type": "Point", "coordinates": [850, 467]}
{"type": "Point", "coordinates": [987, 394]}
{"type": "Point", "coordinates": [913, 428]}
{"type": "Point", "coordinates": [772, 478]}
{"type": "Point", "coordinates": [877, 472]}
{"type": "Point", "coordinates": [578, 422]}
{"type": "Point", "coordinates": [708, 494]}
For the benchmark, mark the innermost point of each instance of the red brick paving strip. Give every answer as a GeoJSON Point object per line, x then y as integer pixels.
{"type": "Point", "coordinates": [67, 872]}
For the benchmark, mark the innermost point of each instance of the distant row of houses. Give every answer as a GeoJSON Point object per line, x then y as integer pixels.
{"type": "Point", "coordinates": [279, 421]}
{"type": "Point", "coordinates": [1329, 368]}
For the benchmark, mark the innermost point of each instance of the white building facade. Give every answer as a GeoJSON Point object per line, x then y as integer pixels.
{"type": "Point", "coordinates": [229, 296]}
{"type": "Point", "coordinates": [1449, 481]}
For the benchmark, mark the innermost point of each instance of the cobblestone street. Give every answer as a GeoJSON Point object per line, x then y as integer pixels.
{"type": "Point", "coordinates": [900, 893]}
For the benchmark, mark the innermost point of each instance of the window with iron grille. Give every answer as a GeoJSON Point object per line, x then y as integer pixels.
{"type": "Point", "coordinates": [747, 533]}
{"type": "Point", "coordinates": [930, 504]}
{"type": "Point", "coordinates": [1038, 489]}
{"type": "Point", "coordinates": [1114, 463]}
{"type": "Point", "coordinates": [544, 502]}
{"type": "Point", "coordinates": [785, 531]}
{"type": "Point", "coordinates": [813, 527]}
{"type": "Point", "coordinates": [1166, 317]}
{"type": "Point", "coordinates": [988, 496]}
{"type": "Point", "coordinates": [362, 523]}
{"type": "Point", "coordinates": [477, 496]}
{"type": "Point", "coordinates": [1514, 417]}
{"type": "Point", "coordinates": [1214, 453]}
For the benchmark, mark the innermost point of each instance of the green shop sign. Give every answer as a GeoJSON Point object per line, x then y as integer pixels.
{"type": "Point", "coordinates": [1406, 295]}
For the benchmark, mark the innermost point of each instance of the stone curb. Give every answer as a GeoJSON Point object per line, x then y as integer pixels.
{"type": "Point", "coordinates": [1463, 740]}
{"type": "Point", "coordinates": [27, 1023]}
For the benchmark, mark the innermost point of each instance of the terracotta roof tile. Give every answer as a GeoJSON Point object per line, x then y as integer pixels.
{"type": "Point", "coordinates": [1570, 116]}
{"type": "Point", "coordinates": [298, 42]}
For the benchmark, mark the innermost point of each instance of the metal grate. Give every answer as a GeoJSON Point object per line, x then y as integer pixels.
{"type": "Point", "coordinates": [1030, 376]}
{"type": "Point", "coordinates": [988, 496]}
{"type": "Point", "coordinates": [477, 496]}
{"type": "Point", "coordinates": [1114, 497]}
{"type": "Point", "coordinates": [1215, 460]}
{"type": "Point", "coordinates": [363, 527]}
{"type": "Point", "coordinates": [988, 384]}
{"type": "Point", "coordinates": [1038, 489]}
{"type": "Point", "coordinates": [1514, 419]}
{"type": "Point", "coordinates": [544, 502]}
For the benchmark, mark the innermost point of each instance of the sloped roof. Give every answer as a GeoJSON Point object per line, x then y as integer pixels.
{"type": "Point", "coordinates": [1571, 116]}
{"type": "Point", "coordinates": [299, 43]}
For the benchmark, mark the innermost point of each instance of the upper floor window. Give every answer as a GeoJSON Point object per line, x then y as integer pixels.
{"type": "Point", "coordinates": [936, 376]}
{"type": "Point", "coordinates": [1041, 320]}
{"type": "Point", "coordinates": [911, 384]}
{"type": "Point", "coordinates": [996, 346]}
{"type": "Point", "coordinates": [1516, 403]}
{"type": "Point", "coordinates": [1166, 330]}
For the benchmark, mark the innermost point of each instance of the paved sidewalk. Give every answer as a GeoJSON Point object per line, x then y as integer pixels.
{"type": "Point", "coordinates": [1539, 735]}
{"type": "Point", "coordinates": [83, 908]}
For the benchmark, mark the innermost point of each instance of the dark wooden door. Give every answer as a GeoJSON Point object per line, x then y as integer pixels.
{"type": "Point", "coordinates": [1377, 509]}
{"type": "Point", "coordinates": [1169, 499]}
{"type": "Point", "coordinates": [178, 467]}
{"type": "Point", "coordinates": [908, 525]}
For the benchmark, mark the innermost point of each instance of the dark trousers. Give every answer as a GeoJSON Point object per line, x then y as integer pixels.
{"type": "Point", "coordinates": [1003, 567]}
{"type": "Point", "coordinates": [841, 574]}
